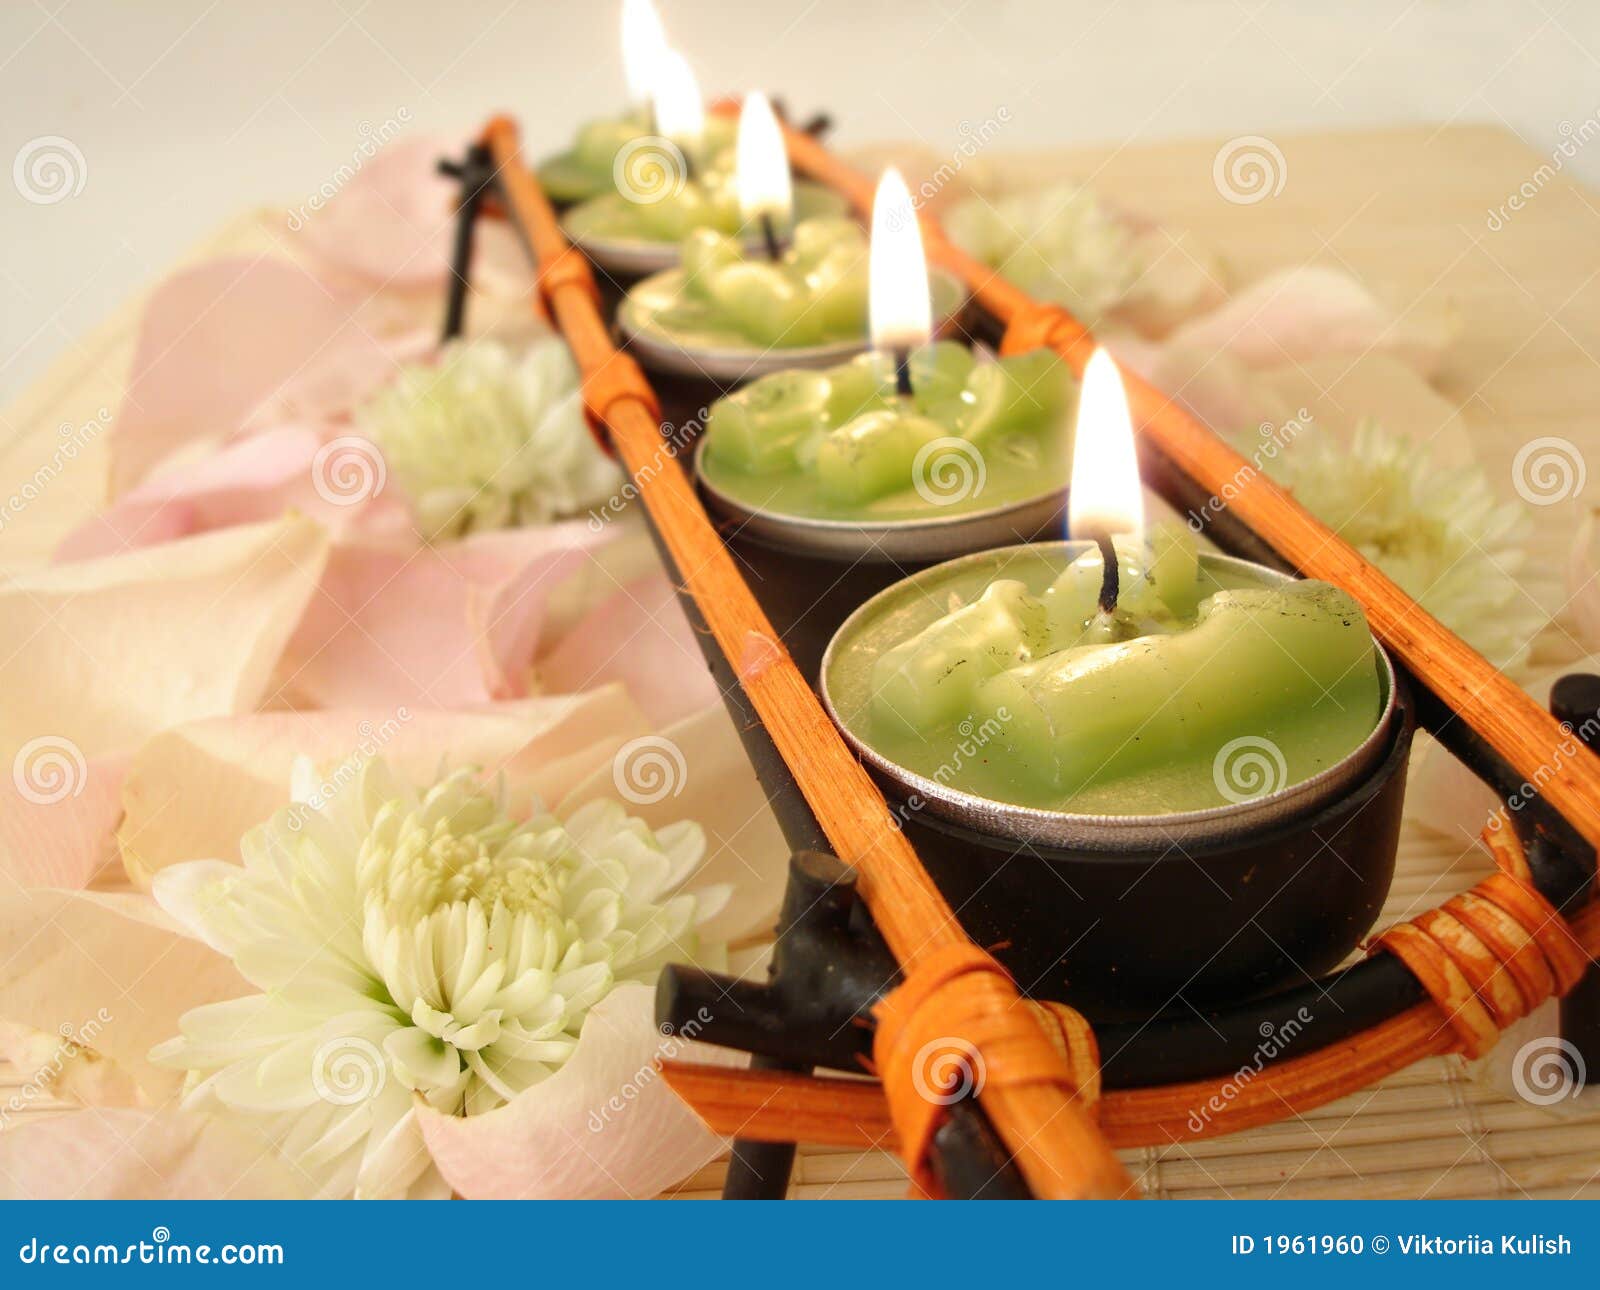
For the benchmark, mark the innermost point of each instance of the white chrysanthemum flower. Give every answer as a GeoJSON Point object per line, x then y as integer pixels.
{"type": "Point", "coordinates": [1440, 534]}
{"type": "Point", "coordinates": [1060, 243]}
{"type": "Point", "coordinates": [417, 947]}
{"type": "Point", "coordinates": [490, 438]}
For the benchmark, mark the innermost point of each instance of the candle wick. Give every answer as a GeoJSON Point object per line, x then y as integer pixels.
{"type": "Point", "coordinates": [770, 233]}
{"type": "Point", "coordinates": [902, 373]}
{"type": "Point", "coordinates": [1110, 577]}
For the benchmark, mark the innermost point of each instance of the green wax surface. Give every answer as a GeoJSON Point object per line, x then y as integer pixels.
{"type": "Point", "coordinates": [710, 202]}
{"type": "Point", "coordinates": [587, 168]}
{"type": "Point", "coordinates": [979, 678]}
{"type": "Point", "coordinates": [840, 444]}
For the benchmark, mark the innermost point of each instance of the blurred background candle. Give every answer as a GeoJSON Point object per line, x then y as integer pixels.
{"type": "Point", "coordinates": [901, 311]}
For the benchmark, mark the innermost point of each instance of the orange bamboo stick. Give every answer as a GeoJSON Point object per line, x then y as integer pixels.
{"type": "Point", "coordinates": [1514, 725]}
{"type": "Point", "coordinates": [1057, 1148]}
{"type": "Point", "coordinates": [852, 1113]}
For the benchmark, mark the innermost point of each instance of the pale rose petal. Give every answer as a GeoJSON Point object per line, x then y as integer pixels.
{"type": "Point", "coordinates": [258, 477]}
{"type": "Point", "coordinates": [445, 626]}
{"type": "Point", "coordinates": [604, 1125]}
{"type": "Point", "coordinates": [219, 340]}
{"type": "Point", "coordinates": [58, 817]}
{"type": "Point", "coordinates": [1311, 311]}
{"type": "Point", "coordinates": [391, 223]}
{"type": "Point", "coordinates": [117, 1154]}
{"type": "Point", "coordinates": [641, 638]}
{"type": "Point", "coordinates": [111, 968]}
{"type": "Point", "coordinates": [234, 773]}
{"type": "Point", "coordinates": [102, 654]}
{"type": "Point", "coordinates": [718, 790]}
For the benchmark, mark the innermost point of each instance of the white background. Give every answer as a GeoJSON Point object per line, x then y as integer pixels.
{"type": "Point", "coordinates": [187, 110]}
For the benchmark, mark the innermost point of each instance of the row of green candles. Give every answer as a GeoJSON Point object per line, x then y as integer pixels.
{"type": "Point", "coordinates": [1110, 681]}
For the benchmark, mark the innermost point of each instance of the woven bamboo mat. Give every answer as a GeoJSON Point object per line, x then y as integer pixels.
{"type": "Point", "coordinates": [1405, 212]}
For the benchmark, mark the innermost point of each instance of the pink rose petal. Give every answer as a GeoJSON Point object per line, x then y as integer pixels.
{"type": "Point", "coordinates": [445, 626]}
{"type": "Point", "coordinates": [638, 636]}
{"type": "Point", "coordinates": [221, 339]}
{"type": "Point", "coordinates": [254, 478]}
{"type": "Point", "coordinates": [1306, 312]}
{"type": "Point", "coordinates": [393, 224]}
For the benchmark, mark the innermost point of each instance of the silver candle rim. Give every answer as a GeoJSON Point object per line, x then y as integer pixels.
{"type": "Point", "coordinates": [634, 257]}
{"type": "Point", "coordinates": [936, 537]}
{"type": "Point", "coordinates": [734, 363]}
{"type": "Point", "coordinates": [1116, 834]}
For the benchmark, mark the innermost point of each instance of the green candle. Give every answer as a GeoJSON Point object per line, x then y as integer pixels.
{"type": "Point", "coordinates": [590, 167]}
{"type": "Point", "coordinates": [841, 444]}
{"type": "Point", "coordinates": [729, 294]}
{"type": "Point", "coordinates": [1005, 679]}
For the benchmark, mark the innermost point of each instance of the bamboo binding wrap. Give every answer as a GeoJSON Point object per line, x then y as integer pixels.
{"type": "Point", "coordinates": [952, 990]}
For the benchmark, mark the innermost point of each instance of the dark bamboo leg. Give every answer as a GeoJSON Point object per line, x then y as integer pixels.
{"type": "Point", "coordinates": [476, 173]}
{"type": "Point", "coordinates": [1575, 700]}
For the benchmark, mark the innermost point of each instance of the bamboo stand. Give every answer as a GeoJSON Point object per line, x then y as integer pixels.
{"type": "Point", "coordinates": [1510, 929]}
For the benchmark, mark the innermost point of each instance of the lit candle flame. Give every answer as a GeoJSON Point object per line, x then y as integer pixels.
{"type": "Point", "coordinates": [680, 111]}
{"type": "Point", "coordinates": [1106, 495]}
{"type": "Point", "coordinates": [643, 43]}
{"type": "Point", "coordinates": [764, 187]}
{"type": "Point", "coordinates": [899, 307]}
